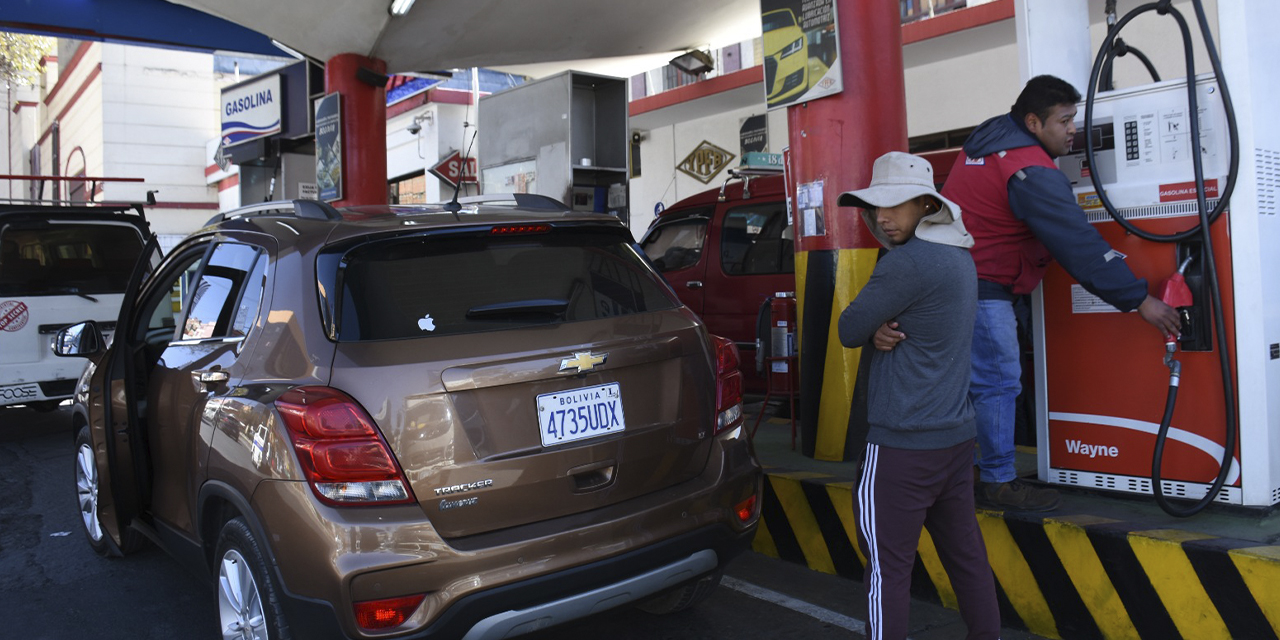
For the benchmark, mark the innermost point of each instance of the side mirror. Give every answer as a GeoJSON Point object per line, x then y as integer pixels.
{"type": "Point", "coordinates": [78, 340]}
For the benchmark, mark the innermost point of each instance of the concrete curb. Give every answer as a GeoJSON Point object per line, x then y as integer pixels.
{"type": "Point", "coordinates": [1059, 576]}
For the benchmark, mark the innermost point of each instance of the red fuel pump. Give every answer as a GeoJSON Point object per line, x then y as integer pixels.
{"type": "Point", "coordinates": [1167, 155]}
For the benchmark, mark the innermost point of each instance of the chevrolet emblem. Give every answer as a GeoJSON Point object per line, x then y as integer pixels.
{"type": "Point", "coordinates": [583, 361]}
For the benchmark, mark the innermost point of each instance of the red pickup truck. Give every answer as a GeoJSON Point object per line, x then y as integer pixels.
{"type": "Point", "coordinates": [724, 256]}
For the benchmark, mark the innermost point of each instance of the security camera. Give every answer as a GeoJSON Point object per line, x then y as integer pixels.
{"type": "Point", "coordinates": [414, 128]}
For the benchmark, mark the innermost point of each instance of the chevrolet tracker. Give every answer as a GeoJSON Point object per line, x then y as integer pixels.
{"type": "Point", "coordinates": [469, 420]}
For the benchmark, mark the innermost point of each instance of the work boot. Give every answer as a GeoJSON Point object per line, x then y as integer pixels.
{"type": "Point", "coordinates": [1017, 494]}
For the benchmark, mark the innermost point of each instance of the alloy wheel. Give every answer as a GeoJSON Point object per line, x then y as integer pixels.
{"type": "Point", "coordinates": [239, 605]}
{"type": "Point", "coordinates": [87, 490]}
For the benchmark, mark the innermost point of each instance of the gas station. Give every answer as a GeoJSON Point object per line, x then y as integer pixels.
{"type": "Point", "coordinates": [1124, 420]}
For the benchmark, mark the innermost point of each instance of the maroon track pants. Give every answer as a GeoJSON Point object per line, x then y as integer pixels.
{"type": "Point", "coordinates": [900, 491]}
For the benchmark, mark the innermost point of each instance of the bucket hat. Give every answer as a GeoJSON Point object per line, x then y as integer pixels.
{"type": "Point", "coordinates": [897, 177]}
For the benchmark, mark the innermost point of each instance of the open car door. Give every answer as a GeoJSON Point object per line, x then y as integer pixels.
{"type": "Point", "coordinates": [125, 477]}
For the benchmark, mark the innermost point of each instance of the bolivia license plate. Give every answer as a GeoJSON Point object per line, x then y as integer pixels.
{"type": "Point", "coordinates": [580, 414]}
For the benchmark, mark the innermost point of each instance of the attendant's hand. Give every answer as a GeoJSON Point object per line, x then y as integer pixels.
{"type": "Point", "coordinates": [1161, 316]}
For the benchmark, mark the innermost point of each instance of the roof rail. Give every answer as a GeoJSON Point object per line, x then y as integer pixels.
{"type": "Point", "coordinates": [310, 209]}
{"type": "Point", "coordinates": [745, 174]}
{"type": "Point", "coordinates": [524, 200]}
{"type": "Point", "coordinates": [315, 209]}
{"type": "Point", "coordinates": [104, 205]}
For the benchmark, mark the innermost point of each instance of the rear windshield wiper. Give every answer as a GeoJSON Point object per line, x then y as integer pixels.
{"type": "Point", "coordinates": [543, 306]}
{"type": "Point", "coordinates": [75, 291]}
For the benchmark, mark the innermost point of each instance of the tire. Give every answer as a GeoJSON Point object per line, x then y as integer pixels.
{"type": "Point", "coordinates": [87, 494]}
{"type": "Point", "coordinates": [683, 597]}
{"type": "Point", "coordinates": [249, 606]}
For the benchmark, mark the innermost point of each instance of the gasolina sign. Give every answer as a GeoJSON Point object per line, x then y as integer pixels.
{"type": "Point", "coordinates": [251, 110]}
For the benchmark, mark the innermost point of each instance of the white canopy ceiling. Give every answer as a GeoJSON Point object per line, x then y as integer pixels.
{"type": "Point", "coordinates": [533, 37]}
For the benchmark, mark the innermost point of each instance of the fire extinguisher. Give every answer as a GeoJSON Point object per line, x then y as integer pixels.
{"type": "Point", "coordinates": [782, 334]}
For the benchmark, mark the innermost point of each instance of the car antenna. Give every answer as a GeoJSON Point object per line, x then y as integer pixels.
{"type": "Point", "coordinates": [453, 206]}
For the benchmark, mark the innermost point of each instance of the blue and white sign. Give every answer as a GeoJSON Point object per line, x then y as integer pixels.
{"type": "Point", "coordinates": [251, 110]}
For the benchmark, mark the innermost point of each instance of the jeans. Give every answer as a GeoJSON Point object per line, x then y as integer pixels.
{"type": "Point", "coordinates": [994, 387]}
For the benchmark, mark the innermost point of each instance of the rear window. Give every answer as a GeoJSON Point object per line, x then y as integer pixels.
{"type": "Point", "coordinates": [66, 259]}
{"type": "Point", "coordinates": [448, 285]}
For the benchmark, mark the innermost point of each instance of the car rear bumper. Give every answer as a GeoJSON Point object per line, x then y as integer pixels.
{"type": "Point", "coordinates": [510, 623]}
{"type": "Point", "coordinates": [558, 597]}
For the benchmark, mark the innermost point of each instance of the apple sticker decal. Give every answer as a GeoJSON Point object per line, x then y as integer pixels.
{"type": "Point", "coordinates": [426, 323]}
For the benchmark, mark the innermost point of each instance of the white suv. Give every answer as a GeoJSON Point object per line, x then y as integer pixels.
{"type": "Point", "coordinates": [59, 265]}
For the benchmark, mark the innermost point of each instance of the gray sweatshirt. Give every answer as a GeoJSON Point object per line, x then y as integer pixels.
{"type": "Point", "coordinates": [918, 393]}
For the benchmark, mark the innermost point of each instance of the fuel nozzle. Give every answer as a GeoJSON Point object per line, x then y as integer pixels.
{"type": "Point", "coordinates": [1175, 293]}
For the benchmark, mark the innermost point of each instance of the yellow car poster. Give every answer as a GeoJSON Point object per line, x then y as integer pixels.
{"type": "Point", "coordinates": [801, 55]}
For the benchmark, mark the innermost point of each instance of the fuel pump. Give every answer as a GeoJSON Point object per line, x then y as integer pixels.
{"type": "Point", "coordinates": [1158, 166]}
{"type": "Point", "coordinates": [1173, 289]}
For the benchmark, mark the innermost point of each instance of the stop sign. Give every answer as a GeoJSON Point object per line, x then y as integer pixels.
{"type": "Point", "coordinates": [452, 169]}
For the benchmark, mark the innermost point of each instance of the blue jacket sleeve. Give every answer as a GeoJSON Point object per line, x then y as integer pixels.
{"type": "Point", "coordinates": [1042, 198]}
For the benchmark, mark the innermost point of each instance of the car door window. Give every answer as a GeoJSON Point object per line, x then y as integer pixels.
{"type": "Point", "coordinates": [756, 239]}
{"type": "Point", "coordinates": [676, 245]}
{"type": "Point", "coordinates": [215, 304]}
{"type": "Point", "coordinates": [169, 303]}
{"type": "Point", "coordinates": [250, 299]}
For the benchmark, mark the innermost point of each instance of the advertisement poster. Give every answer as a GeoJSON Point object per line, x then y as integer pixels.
{"type": "Point", "coordinates": [251, 110]}
{"type": "Point", "coordinates": [801, 56]}
{"type": "Point", "coordinates": [753, 135]}
{"type": "Point", "coordinates": [329, 147]}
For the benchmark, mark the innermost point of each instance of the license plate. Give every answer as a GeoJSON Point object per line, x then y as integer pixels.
{"type": "Point", "coordinates": [579, 414]}
{"type": "Point", "coordinates": [19, 393]}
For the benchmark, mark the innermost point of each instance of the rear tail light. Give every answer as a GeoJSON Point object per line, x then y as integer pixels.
{"type": "Point", "coordinates": [342, 453]}
{"type": "Point", "coordinates": [728, 385]}
{"type": "Point", "coordinates": [746, 510]}
{"type": "Point", "coordinates": [385, 614]}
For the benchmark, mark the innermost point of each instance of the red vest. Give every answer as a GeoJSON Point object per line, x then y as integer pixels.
{"type": "Point", "coordinates": [1004, 250]}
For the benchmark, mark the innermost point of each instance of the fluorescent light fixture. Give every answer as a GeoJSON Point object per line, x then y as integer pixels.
{"type": "Point", "coordinates": [401, 7]}
{"type": "Point", "coordinates": [287, 49]}
{"type": "Point", "coordinates": [693, 62]}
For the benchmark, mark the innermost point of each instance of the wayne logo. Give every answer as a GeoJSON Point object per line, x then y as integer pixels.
{"type": "Point", "coordinates": [705, 162]}
{"type": "Point", "coordinates": [1092, 450]}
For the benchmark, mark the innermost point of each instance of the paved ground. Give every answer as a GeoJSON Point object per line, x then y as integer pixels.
{"type": "Point", "coordinates": [53, 587]}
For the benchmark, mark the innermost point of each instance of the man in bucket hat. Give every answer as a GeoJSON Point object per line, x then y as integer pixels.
{"type": "Point", "coordinates": [917, 311]}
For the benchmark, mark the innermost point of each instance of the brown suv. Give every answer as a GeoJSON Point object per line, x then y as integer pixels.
{"type": "Point", "coordinates": [454, 421]}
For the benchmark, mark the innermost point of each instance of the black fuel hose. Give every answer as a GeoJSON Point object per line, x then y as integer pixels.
{"type": "Point", "coordinates": [1157, 458]}
{"type": "Point", "coordinates": [1119, 50]}
{"type": "Point", "coordinates": [1207, 218]}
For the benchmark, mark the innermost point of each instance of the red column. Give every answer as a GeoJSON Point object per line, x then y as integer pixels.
{"type": "Point", "coordinates": [364, 126]}
{"type": "Point", "coordinates": [835, 140]}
